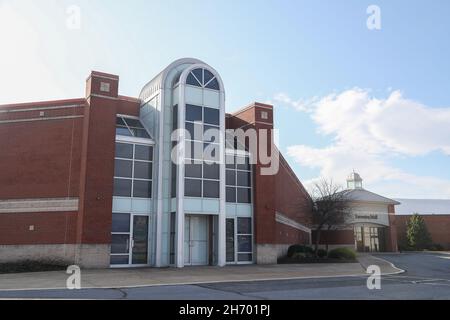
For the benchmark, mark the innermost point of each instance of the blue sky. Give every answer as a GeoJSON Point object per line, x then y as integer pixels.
{"type": "Point", "coordinates": [346, 97]}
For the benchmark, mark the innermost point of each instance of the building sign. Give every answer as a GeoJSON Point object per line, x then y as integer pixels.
{"type": "Point", "coordinates": [366, 217]}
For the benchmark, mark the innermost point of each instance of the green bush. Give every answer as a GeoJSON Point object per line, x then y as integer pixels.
{"type": "Point", "coordinates": [33, 266]}
{"type": "Point", "coordinates": [342, 254]}
{"type": "Point", "coordinates": [322, 253]}
{"type": "Point", "coordinates": [300, 251]}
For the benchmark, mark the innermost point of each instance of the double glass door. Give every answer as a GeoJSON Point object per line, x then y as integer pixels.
{"type": "Point", "coordinates": [129, 245]}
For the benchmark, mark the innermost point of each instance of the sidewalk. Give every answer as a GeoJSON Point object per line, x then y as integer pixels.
{"type": "Point", "coordinates": [143, 277]}
{"type": "Point", "coordinates": [386, 267]}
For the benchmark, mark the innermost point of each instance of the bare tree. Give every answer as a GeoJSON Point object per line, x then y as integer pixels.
{"type": "Point", "coordinates": [330, 208]}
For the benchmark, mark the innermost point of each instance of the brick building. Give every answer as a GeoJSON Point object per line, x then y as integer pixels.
{"type": "Point", "coordinates": [371, 224]}
{"type": "Point", "coordinates": [93, 180]}
{"type": "Point", "coordinates": [436, 214]}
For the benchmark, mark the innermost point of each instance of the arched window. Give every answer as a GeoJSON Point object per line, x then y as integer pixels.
{"type": "Point", "coordinates": [203, 78]}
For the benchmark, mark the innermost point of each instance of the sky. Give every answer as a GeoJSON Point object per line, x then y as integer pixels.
{"type": "Point", "coordinates": [346, 97]}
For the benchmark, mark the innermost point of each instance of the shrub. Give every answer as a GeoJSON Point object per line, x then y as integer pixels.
{"type": "Point", "coordinates": [436, 247]}
{"type": "Point", "coordinates": [342, 254]}
{"type": "Point", "coordinates": [304, 251]}
{"type": "Point", "coordinates": [322, 253]}
{"type": "Point", "coordinates": [33, 266]}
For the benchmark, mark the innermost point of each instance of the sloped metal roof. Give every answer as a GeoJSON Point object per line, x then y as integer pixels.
{"type": "Point", "coordinates": [362, 195]}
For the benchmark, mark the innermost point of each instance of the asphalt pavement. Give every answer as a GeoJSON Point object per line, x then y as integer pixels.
{"type": "Point", "coordinates": [426, 276]}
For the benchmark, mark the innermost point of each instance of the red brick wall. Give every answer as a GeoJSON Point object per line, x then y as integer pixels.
{"type": "Point", "coordinates": [49, 228]}
{"type": "Point", "coordinates": [40, 159]}
{"type": "Point", "coordinates": [437, 225]}
{"type": "Point", "coordinates": [391, 234]}
{"type": "Point", "coordinates": [291, 200]}
{"type": "Point", "coordinates": [335, 237]}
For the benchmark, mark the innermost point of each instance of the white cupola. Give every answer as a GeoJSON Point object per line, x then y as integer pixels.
{"type": "Point", "coordinates": [354, 181]}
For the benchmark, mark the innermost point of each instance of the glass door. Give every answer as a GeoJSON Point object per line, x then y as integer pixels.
{"type": "Point", "coordinates": [130, 237]}
{"type": "Point", "coordinates": [139, 242]}
{"type": "Point", "coordinates": [230, 234]}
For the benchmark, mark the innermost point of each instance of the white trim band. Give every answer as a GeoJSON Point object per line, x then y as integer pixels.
{"type": "Point", "coordinates": [280, 218]}
{"type": "Point", "coordinates": [39, 205]}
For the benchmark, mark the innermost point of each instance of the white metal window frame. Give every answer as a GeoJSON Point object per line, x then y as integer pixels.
{"type": "Point", "coordinates": [236, 242]}
{"type": "Point", "coordinates": [193, 160]}
{"type": "Point", "coordinates": [130, 243]}
{"type": "Point", "coordinates": [144, 142]}
{"type": "Point", "coordinates": [236, 170]}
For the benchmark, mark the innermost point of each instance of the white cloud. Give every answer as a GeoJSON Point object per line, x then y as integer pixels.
{"type": "Point", "coordinates": [367, 132]}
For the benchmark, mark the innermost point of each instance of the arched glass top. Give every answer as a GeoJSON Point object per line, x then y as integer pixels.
{"type": "Point", "coordinates": [203, 78]}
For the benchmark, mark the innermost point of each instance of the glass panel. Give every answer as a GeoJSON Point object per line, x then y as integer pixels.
{"type": "Point", "coordinates": [211, 171]}
{"type": "Point", "coordinates": [193, 113]}
{"type": "Point", "coordinates": [142, 189]}
{"type": "Point", "coordinates": [122, 188]}
{"type": "Point", "coordinates": [212, 116]}
{"type": "Point", "coordinates": [245, 257]}
{"type": "Point", "coordinates": [194, 130]}
{"type": "Point", "coordinates": [213, 85]}
{"type": "Point", "coordinates": [230, 240]}
{"type": "Point", "coordinates": [231, 194]}
{"type": "Point", "coordinates": [120, 222]}
{"type": "Point", "coordinates": [173, 184]}
{"type": "Point", "coordinates": [208, 76]}
{"type": "Point", "coordinates": [192, 188]}
{"type": "Point", "coordinates": [244, 243]}
{"type": "Point", "coordinates": [194, 150]}
{"type": "Point", "coordinates": [192, 81]}
{"type": "Point", "coordinates": [124, 150]}
{"type": "Point", "coordinates": [193, 170]}
{"type": "Point", "coordinates": [117, 260]}
{"type": "Point", "coordinates": [243, 163]}
{"type": "Point", "coordinates": [120, 122]}
{"type": "Point", "coordinates": [211, 189]}
{"type": "Point", "coordinates": [140, 240]}
{"type": "Point", "coordinates": [175, 117]}
{"type": "Point", "coordinates": [244, 226]}
{"type": "Point", "coordinates": [243, 179]}
{"type": "Point", "coordinates": [229, 161]}
{"type": "Point", "coordinates": [140, 133]}
{"type": "Point", "coordinates": [212, 152]}
{"type": "Point", "coordinates": [211, 134]}
{"type": "Point", "coordinates": [142, 170]}
{"type": "Point", "coordinates": [123, 168]}
{"type": "Point", "coordinates": [120, 243]}
{"type": "Point", "coordinates": [172, 237]}
{"type": "Point", "coordinates": [244, 195]}
{"type": "Point", "coordinates": [133, 123]}
{"type": "Point", "coordinates": [198, 73]}
{"type": "Point", "coordinates": [122, 131]}
{"type": "Point", "coordinates": [231, 178]}
{"type": "Point", "coordinates": [143, 153]}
